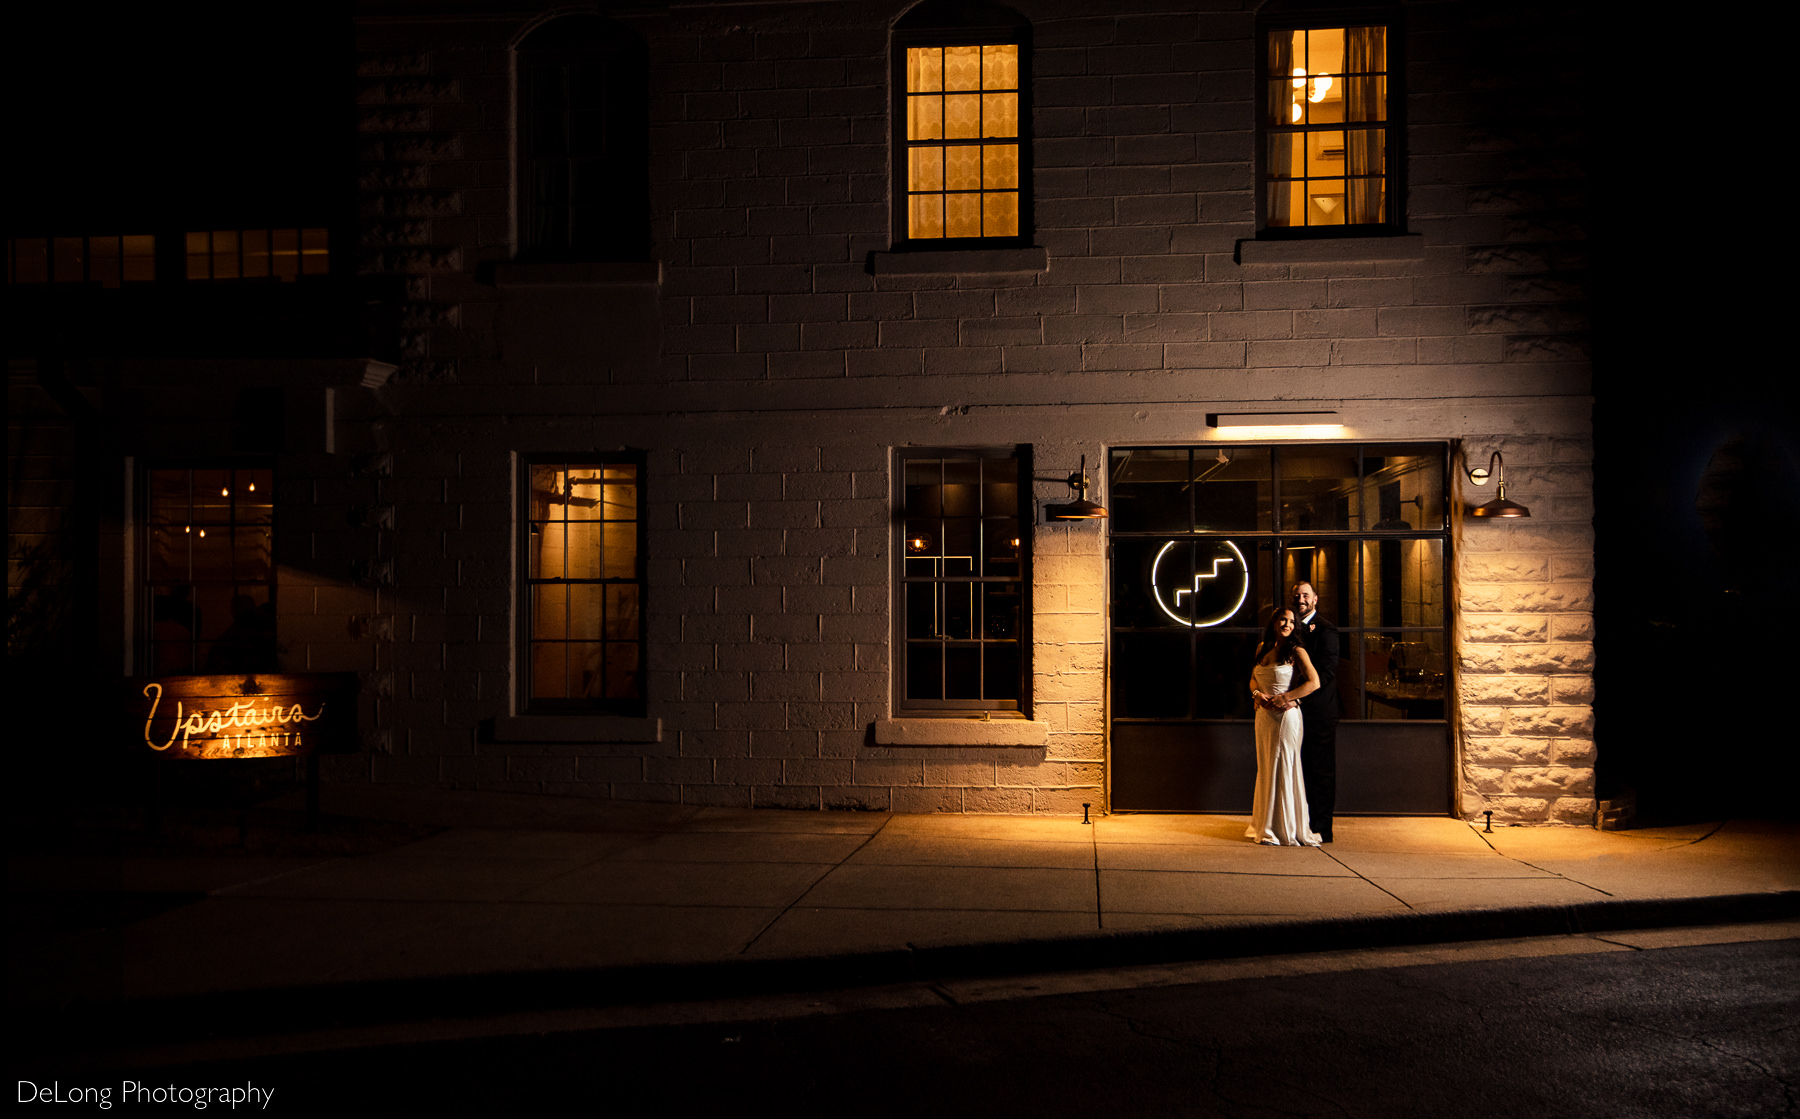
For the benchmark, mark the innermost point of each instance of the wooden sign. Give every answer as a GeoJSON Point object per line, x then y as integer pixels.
{"type": "Point", "coordinates": [243, 715]}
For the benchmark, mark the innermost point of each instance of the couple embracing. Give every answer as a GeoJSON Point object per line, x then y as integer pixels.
{"type": "Point", "coordinates": [1294, 686]}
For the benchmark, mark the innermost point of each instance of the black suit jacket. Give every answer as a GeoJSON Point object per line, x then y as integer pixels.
{"type": "Point", "coordinates": [1323, 646]}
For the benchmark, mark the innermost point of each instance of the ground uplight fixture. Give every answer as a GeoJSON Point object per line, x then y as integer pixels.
{"type": "Point", "coordinates": [1500, 506]}
{"type": "Point", "coordinates": [1080, 509]}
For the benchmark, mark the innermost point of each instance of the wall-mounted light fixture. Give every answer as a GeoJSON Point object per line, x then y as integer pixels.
{"type": "Point", "coordinates": [1277, 425]}
{"type": "Point", "coordinates": [1080, 509]}
{"type": "Point", "coordinates": [1500, 506]}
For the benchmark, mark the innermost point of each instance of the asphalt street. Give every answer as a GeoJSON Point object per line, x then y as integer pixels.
{"type": "Point", "coordinates": [1668, 1023]}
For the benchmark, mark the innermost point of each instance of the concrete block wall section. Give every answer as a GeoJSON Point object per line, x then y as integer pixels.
{"type": "Point", "coordinates": [771, 374]}
{"type": "Point", "coordinates": [1526, 636]}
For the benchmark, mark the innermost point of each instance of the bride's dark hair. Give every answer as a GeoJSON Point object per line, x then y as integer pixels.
{"type": "Point", "coordinates": [1284, 646]}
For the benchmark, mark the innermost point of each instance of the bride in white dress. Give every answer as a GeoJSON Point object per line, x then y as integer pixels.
{"type": "Point", "coordinates": [1278, 814]}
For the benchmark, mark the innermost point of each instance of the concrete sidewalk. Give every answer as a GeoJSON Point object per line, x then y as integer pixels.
{"type": "Point", "coordinates": [411, 902]}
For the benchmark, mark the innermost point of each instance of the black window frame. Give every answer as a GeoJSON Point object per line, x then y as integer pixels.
{"type": "Point", "coordinates": [529, 527]}
{"type": "Point", "coordinates": [936, 23]}
{"type": "Point", "coordinates": [102, 261]}
{"type": "Point", "coordinates": [1287, 21]}
{"type": "Point", "coordinates": [1274, 532]}
{"type": "Point", "coordinates": [253, 643]}
{"type": "Point", "coordinates": [612, 61]}
{"type": "Point", "coordinates": [979, 638]}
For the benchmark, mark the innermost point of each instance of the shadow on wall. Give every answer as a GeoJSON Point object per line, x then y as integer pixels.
{"type": "Point", "coordinates": [1691, 709]}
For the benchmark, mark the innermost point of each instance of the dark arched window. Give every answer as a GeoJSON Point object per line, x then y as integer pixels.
{"type": "Point", "coordinates": [584, 142]}
{"type": "Point", "coordinates": [962, 126]}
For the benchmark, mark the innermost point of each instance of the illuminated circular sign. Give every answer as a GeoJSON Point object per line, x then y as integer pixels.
{"type": "Point", "coordinates": [1208, 591]}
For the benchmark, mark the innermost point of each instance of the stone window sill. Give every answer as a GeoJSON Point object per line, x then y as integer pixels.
{"type": "Point", "coordinates": [1333, 250]}
{"type": "Point", "coordinates": [961, 732]}
{"type": "Point", "coordinates": [566, 273]}
{"type": "Point", "coordinates": [961, 262]}
{"type": "Point", "coordinates": [576, 728]}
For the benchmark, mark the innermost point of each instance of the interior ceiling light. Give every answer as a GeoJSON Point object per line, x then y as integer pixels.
{"type": "Point", "coordinates": [1312, 87]}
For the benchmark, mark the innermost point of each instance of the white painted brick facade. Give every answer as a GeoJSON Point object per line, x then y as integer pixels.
{"type": "Point", "coordinates": [770, 377]}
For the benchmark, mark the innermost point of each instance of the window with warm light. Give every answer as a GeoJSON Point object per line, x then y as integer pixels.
{"type": "Point", "coordinates": [208, 577]}
{"type": "Point", "coordinates": [1207, 541]}
{"type": "Point", "coordinates": [1329, 137]}
{"type": "Point", "coordinates": [258, 254]}
{"type": "Point", "coordinates": [963, 606]}
{"type": "Point", "coordinates": [962, 116]}
{"type": "Point", "coordinates": [583, 590]}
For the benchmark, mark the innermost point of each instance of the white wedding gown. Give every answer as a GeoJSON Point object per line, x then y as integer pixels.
{"type": "Point", "coordinates": [1278, 813]}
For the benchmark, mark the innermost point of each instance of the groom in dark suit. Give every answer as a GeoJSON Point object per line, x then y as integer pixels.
{"type": "Point", "coordinates": [1319, 711]}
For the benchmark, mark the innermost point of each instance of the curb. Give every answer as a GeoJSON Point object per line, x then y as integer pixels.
{"type": "Point", "coordinates": [96, 1026]}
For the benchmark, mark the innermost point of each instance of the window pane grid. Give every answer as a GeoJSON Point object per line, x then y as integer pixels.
{"type": "Point", "coordinates": [583, 142]}
{"type": "Point", "coordinates": [107, 261]}
{"type": "Point", "coordinates": [283, 255]}
{"type": "Point", "coordinates": [962, 135]}
{"type": "Point", "coordinates": [584, 586]}
{"type": "Point", "coordinates": [1365, 524]}
{"type": "Point", "coordinates": [962, 589]}
{"type": "Point", "coordinates": [209, 570]}
{"type": "Point", "coordinates": [1325, 116]}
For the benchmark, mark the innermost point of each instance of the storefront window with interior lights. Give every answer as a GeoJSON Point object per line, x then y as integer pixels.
{"type": "Point", "coordinates": [209, 569]}
{"type": "Point", "coordinates": [962, 583]}
{"type": "Point", "coordinates": [1207, 541]}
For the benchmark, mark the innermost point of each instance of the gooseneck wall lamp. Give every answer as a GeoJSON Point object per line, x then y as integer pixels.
{"type": "Point", "coordinates": [1500, 506]}
{"type": "Point", "coordinates": [1080, 509]}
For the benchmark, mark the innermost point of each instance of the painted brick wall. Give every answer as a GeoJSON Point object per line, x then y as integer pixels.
{"type": "Point", "coordinates": [1527, 638]}
{"type": "Point", "coordinates": [771, 374]}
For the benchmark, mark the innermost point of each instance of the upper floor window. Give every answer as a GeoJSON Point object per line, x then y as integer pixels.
{"type": "Point", "coordinates": [107, 261]}
{"type": "Point", "coordinates": [584, 142]}
{"type": "Point", "coordinates": [209, 255]}
{"type": "Point", "coordinates": [963, 586]}
{"type": "Point", "coordinates": [258, 254]}
{"type": "Point", "coordinates": [962, 113]}
{"type": "Point", "coordinates": [583, 609]}
{"type": "Point", "coordinates": [1330, 139]}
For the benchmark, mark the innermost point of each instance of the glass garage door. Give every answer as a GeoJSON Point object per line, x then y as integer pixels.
{"type": "Point", "coordinates": [1206, 541]}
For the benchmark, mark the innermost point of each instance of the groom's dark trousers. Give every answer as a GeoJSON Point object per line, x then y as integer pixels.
{"type": "Point", "coordinates": [1320, 713]}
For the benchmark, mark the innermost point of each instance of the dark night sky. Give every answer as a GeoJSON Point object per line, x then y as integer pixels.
{"type": "Point", "coordinates": [154, 112]}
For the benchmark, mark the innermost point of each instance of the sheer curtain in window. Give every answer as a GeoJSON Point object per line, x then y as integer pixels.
{"type": "Point", "coordinates": [1281, 144]}
{"type": "Point", "coordinates": [1365, 100]}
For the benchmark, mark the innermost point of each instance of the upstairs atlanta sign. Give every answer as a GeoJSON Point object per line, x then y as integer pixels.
{"type": "Point", "coordinates": [244, 716]}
